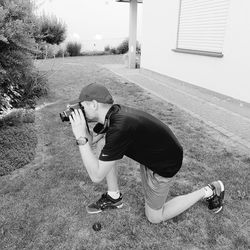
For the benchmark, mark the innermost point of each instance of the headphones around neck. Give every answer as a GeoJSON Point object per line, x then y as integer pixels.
{"type": "Point", "coordinates": [102, 128]}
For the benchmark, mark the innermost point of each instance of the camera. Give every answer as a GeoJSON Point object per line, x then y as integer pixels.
{"type": "Point", "coordinates": [66, 113]}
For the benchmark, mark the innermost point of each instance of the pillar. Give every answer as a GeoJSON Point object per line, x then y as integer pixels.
{"type": "Point", "coordinates": [132, 34]}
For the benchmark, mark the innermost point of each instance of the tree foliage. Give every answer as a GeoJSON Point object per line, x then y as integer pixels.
{"type": "Point", "coordinates": [51, 29]}
{"type": "Point", "coordinates": [20, 83]}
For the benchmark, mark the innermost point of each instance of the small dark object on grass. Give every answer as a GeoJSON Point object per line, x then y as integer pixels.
{"type": "Point", "coordinates": [97, 226]}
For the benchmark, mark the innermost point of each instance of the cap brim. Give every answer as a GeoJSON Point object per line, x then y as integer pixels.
{"type": "Point", "coordinates": [74, 101]}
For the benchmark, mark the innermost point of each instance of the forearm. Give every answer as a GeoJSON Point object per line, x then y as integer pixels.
{"type": "Point", "coordinates": [90, 162]}
{"type": "Point", "coordinates": [94, 139]}
{"type": "Point", "coordinates": [90, 137]}
{"type": "Point", "coordinates": [97, 138]}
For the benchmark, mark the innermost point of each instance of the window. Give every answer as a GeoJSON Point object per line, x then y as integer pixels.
{"type": "Point", "coordinates": [201, 27]}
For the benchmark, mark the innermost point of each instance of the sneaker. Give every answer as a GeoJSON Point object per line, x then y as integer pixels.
{"type": "Point", "coordinates": [215, 201]}
{"type": "Point", "coordinates": [105, 202]}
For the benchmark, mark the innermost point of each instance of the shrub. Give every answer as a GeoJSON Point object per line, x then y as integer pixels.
{"type": "Point", "coordinates": [124, 47]}
{"type": "Point", "coordinates": [73, 48]}
{"type": "Point", "coordinates": [34, 87]}
{"type": "Point", "coordinates": [19, 80]}
{"type": "Point", "coordinates": [113, 51]}
{"type": "Point", "coordinates": [107, 48]}
{"type": "Point", "coordinates": [18, 116]}
{"type": "Point", "coordinates": [49, 50]}
{"type": "Point", "coordinates": [66, 53]}
{"type": "Point", "coordinates": [60, 53]}
{"type": "Point", "coordinates": [94, 53]}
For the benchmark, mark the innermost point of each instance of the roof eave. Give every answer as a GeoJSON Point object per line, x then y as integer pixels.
{"type": "Point", "coordinates": [127, 1]}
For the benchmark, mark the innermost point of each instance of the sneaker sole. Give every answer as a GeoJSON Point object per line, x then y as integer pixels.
{"type": "Point", "coordinates": [217, 211]}
{"type": "Point", "coordinates": [222, 190]}
{"type": "Point", "coordinates": [221, 186]}
{"type": "Point", "coordinates": [94, 212]}
{"type": "Point", "coordinates": [99, 211]}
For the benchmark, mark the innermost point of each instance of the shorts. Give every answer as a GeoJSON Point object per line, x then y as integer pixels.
{"type": "Point", "coordinates": [155, 187]}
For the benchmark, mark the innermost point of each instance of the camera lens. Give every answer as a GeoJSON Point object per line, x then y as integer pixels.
{"type": "Point", "coordinates": [64, 117]}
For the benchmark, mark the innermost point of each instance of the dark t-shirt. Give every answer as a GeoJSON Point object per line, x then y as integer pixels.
{"type": "Point", "coordinates": [143, 138]}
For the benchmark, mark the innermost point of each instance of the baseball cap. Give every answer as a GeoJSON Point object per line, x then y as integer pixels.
{"type": "Point", "coordinates": [95, 91]}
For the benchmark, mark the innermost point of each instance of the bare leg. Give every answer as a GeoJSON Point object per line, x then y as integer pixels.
{"type": "Point", "coordinates": [174, 207]}
{"type": "Point", "coordinates": [111, 178]}
{"type": "Point", "coordinates": [181, 203]}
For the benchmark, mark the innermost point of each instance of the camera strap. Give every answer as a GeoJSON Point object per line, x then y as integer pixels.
{"type": "Point", "coordinates": [83, 111]}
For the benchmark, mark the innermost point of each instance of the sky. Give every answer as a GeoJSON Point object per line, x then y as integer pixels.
{"type": "Point", "coordinates": [93, 23]}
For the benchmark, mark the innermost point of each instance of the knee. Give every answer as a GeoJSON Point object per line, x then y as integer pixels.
{"type": "Point", "coordinates": [153, 219]}
{"type": "Point", "coordinates": [153, 216]}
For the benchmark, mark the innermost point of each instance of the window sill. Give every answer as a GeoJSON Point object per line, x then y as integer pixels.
{"type": "Point", "coordinates": [198, 52]}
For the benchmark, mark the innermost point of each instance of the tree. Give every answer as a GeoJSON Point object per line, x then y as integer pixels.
{"type": "Point", "coordinates": [52, 30]}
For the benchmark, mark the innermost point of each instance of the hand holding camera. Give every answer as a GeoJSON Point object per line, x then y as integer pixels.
{"type": "Point", "coordinates": [76, 115]}
{"type": "Point", "coordinates": [78, 124]}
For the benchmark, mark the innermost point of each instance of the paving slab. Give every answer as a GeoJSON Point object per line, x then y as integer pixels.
{"type": "Point", "coordinates": [228, 115]}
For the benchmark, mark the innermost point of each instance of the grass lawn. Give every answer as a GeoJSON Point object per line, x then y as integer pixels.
{"type": "Point", "coordinates": [42, 206]}
{"type": "Point", "coordinates": [18, 140]}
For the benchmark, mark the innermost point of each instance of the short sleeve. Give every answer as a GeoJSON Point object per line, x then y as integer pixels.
{"type": "Point", "coordinates": [116, 144]}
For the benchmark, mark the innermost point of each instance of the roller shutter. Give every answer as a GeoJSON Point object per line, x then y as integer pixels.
{"type": "Point", "coordinates": [202, 25]}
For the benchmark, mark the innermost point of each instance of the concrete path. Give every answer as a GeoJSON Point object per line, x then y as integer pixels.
{"type": "Point", "coordinates": [227, 115]}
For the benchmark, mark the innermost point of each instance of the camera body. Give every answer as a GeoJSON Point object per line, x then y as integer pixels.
{"type": "Point", "coordinates": [66, 113]}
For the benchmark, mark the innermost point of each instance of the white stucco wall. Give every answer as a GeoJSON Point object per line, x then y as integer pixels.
{"type": "Point", "coordinates": [229, 75]}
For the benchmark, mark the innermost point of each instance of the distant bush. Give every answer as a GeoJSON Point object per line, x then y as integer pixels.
{"type": "Point", "coordinates": [52, 50]}
{"type": "Point", "coordinates": [124, 47]}
{"type": "Point", "coordinates": [94, 53]}
{"type": "Point", "coordinates": [60, 53]}
{"type": "Point", "coordinates": [114, 51]}
{"type": "Point", "coordinates": [73, 48]}
{"type": "Point", "coordinates": [66, 53]}
{"type": "Point", "coordinates": [107, 48]}
{"type": "Point", "coordinates": [49, 51]}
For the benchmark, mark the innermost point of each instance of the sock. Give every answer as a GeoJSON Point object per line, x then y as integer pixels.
{"type": "Point", "coordinates": [114, 194]}
{"type": "Point", "coordinates": [208, 192]}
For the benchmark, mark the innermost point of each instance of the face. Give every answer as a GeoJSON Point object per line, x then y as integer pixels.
{"type": "Point", "coordinates": [90, 111]}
